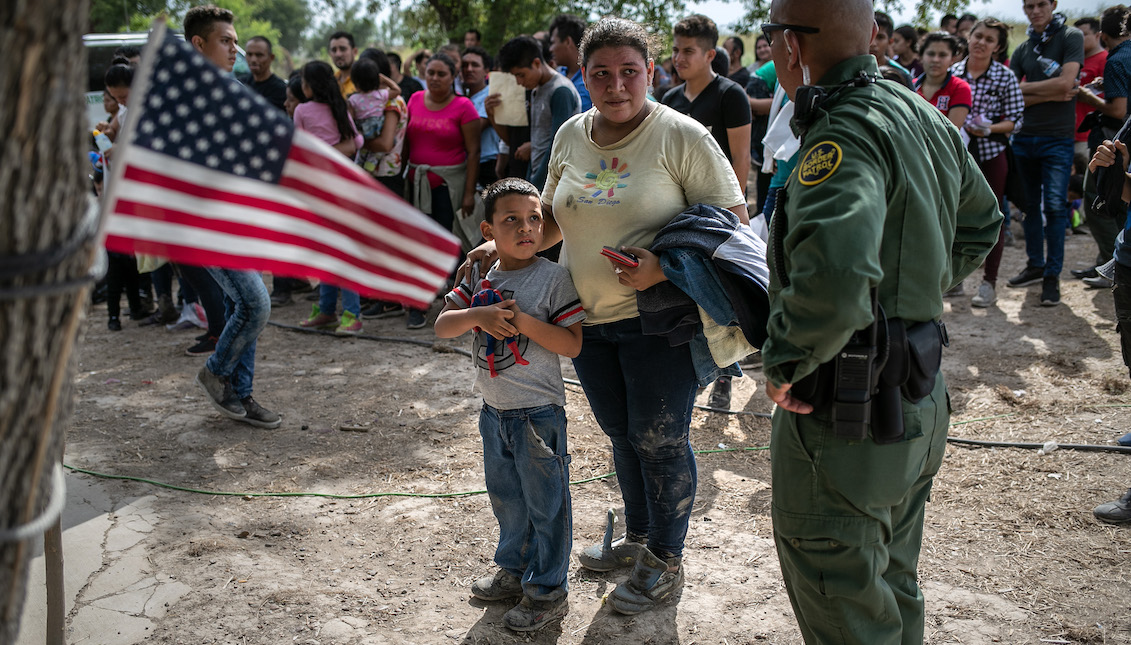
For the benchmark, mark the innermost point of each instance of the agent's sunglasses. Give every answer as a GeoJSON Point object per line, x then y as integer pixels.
{"type": "Point", "coordinates": [768, 29]}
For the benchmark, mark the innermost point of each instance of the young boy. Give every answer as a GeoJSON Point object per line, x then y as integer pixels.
{"type": "Point", "coordinates": [523, 424]}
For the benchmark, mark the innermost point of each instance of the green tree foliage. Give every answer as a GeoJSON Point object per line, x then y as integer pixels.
{"type": "Point", "coordinates": [290, 17]}
{"type": "Point", "coordinates": [926, 11]}
{"type": "Point", "coordinates": [350, 16]}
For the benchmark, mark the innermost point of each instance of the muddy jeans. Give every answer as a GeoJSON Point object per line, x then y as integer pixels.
{"type": "Point", "coordinates": [641, 391]}
{"type": "Point", "coordinates": [526, 465]}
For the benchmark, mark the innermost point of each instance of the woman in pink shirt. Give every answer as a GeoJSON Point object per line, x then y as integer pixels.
{"type": "Point", "coordinates": [442, 134]}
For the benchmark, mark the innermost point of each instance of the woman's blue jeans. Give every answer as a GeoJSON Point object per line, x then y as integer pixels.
{"type": "Point", "coordinates": [642, 391]}
{"type": "Point", "coordinates": [247, 306]}
{"type": "Point", "coordinates": [526, 464]}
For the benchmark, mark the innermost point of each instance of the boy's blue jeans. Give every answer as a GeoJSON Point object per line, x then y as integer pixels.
{"type": "Point", "coordinates": [247, 308]}
{"type": "Point", "coordinates": [641, 391]}
{"type": "Point", "coordinates": [527, 470]}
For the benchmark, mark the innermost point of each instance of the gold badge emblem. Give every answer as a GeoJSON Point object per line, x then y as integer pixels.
{"type": "Point", "coordinates": [819, 163]}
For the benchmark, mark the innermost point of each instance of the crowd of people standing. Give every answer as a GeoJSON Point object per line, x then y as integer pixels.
{"type": "Point", "coordinates": [868, 144]}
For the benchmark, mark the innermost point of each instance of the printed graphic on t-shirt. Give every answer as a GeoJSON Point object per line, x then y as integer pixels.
{"type": "Point", "coordinates": [503, 348]}
{"type": "Point", "coordinates": [943, 103]}
{"type": "Point", "coordinates": [606, 182]}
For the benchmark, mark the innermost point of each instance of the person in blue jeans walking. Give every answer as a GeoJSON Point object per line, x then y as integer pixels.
{"type": "Point", "coordinates": [532, 315]}
{"type": "Point", "coordinates": [1047, 65]}
{"type": "Point", "coordinates": [227, 375]}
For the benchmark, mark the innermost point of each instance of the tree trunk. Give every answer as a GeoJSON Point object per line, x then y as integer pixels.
{"type": "Point", "coordinates": [43, 188]}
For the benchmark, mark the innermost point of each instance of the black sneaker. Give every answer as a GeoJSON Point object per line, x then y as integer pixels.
{"type": "Point", "coordinates": [1117, 512]}
{"type": "Point", "coordinates": [1050, 291]}
{"type": "Point", "coordinates": [501, 586]}
{"type": "Point", "coordinates": [531, 615]}
{"type": "Point", "coordinates": [416, 319]}
{"type": "Point", "coordinates": [201, 337]}
{"type": "Point", "coordinates": [220, 394]}
{"type": "Point", "coordinates": [1030, 275]}
{"type": "Point", "coordinates": [720, 394]}
{"type": "Point", "coordinates": [382, 309]}
{"type": "Point", "coordinates": [280, 298]}
{"type": "Point", "coordinates": [259, 416]}
{"type": "Point", "coordinates": [203, 348]}
{"type": "Point", "coordinates": [142, 314]}
{"type": "Point", "coordinates": [1080, 274]}
{"type": "Point", "coordinates": [114, 324]}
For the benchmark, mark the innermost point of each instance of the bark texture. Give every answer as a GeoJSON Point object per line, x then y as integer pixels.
{"type": "Point", "coordinates": [43, 189]}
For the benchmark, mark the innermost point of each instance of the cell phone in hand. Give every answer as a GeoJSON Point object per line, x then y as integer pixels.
{"type": "Point", "coordinates": [620, 257]}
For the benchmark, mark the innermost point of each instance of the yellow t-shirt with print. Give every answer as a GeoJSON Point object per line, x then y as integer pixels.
{"type": "Point", "coordinates": [624, 193]}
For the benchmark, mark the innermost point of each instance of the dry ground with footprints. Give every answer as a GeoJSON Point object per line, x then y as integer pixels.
{"type": "Point", "coordinates": [1012, 553]}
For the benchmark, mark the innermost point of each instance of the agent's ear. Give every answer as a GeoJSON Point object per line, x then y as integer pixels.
{"type": "Point", "coordinates": [485, 229]}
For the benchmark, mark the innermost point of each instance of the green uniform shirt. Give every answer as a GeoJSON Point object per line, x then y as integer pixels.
{"type": "Point", "coordinates": [885, 195]}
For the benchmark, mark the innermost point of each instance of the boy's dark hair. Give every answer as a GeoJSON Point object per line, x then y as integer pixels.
{"type": "Point", "coordinates": [379, 57]}
{"type": "Point", "coordinates": [481, 53]}
{"type": "Point", "coordinates": [342, 34]}
{"type": "Point", "coordinates": [119, 76]}
{"type": "Point", "coordinates": [699, 27]}
{"type": "Point", "coordinates": [967, 17]}
{"type": "Point", "coordinates": [883, 21]}
{"type": "Point", "coordinates": [365, 74]}
{"type": "Point", "coordinates": [263, 39]}
{"type": "Point", "coordinates": [120, 60]}
{"type": "Point", "coordinates": [568, 26]}
{"type": "Point", "coordinates": [199, 20]}
{"type": "Point", "coordinates": [1092, 23]}
{"type": "Point", "coordinates": [395, 60]}
{"type": "Point", "coordinates": [739, 46]}
{"type": "Point", "coordinates": [520, 52]}
{"type": "Point", "coordinates": [478, 36]}
{"type": "Point", "coordinates": [911, 35]}
{"type": "Point", "coordinates": [941, 37]}
{"type": "Point", "coordinates": [127, 51]}
{"type": "Point", "coordinates": [947, 18]}
{"type": "Point", "coordinates": [504, 188]}
{"type": "Point", "coordinates": [1113, 22]}
{"type": "Point", "coordinates": [1076, 184]}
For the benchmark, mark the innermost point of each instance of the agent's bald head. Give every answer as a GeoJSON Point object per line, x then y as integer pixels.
{"type": "Point", "coordinates": [846, 30]}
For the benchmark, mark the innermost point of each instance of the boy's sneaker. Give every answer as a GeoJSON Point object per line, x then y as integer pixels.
{"type": "Point", "coordinates": [220, 394]}
{"type": "Point", "coordinates": [114, 324]}
{"type": "Point", "coordinates": [531, 615]}
{"type": "Point", "coordinates": [1030, 275]}
{"type": "Point", "coordinates": [382, 309]}
{"type": "Point", "coordinates": [651, 583]}
{"type": "Point", "coordinates": [319, 320]}
{"type": "Point", "coordinates": [416, 319]}
{"type": "Point", "coordinates": [986, 295]}
{"type": "Point", "coordinates": [350, 325]}
{"type": "Point", "coordinates": [202, 348]}
{"type": "Point", "coordinates": [611, 554]}
{"type": "Point", "coordinates": [501, 586]}
{"type": "Point", "coordinates": [259, 416]}
{"type": "Point", "coordinates": [1050, 291]}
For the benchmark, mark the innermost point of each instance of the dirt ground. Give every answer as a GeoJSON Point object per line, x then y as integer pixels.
{"type": "Point", "coordinates": [1011, 552]}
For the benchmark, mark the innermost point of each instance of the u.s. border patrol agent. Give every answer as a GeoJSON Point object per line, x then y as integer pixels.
{"type": "Point", "coordinates": [885, 212]}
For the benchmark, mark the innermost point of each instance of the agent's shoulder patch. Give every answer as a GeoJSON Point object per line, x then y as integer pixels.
{"type": "Point", "coordinates": [819, 163]}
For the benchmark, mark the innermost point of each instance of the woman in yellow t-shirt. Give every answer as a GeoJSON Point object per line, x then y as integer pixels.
{"type": "Point", "coordinates": [618, 173]}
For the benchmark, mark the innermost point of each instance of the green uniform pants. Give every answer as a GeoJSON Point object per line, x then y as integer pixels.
{"type": "Point", "coordinates": [848, 523]}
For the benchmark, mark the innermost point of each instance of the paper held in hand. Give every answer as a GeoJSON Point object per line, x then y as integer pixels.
{"type": "Point", "coordinates": [512, 111]}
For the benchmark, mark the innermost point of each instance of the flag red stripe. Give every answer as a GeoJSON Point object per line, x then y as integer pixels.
{"type": "Point", "coordinates": [235, 230]}
{"type": "Point", "coordinates": [199, 191]}
{"type": "Point", "coordinates": [342, 168]}
{"type": "Point", "coordinates": [198, 257]}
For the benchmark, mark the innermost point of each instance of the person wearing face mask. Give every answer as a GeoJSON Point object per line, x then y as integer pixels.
{"type": "Point", "coordinates": [885, 211]}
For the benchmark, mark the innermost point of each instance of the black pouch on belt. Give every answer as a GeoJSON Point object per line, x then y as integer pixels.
{"type": "Point", "coordinates": [887, 405]}
{"type": "Point", "coordinates": [925, 341]}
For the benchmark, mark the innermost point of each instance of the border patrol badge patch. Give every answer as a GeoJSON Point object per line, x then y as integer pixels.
{"type": "Point", "coordinates": [819, 163]}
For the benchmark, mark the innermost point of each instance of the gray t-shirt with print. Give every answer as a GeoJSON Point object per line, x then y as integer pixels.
{"type": "Point", "coordinates": [545, 291]}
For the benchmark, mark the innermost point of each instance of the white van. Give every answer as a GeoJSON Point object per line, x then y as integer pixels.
{"type": "Point", "coordinates": [100, 52]}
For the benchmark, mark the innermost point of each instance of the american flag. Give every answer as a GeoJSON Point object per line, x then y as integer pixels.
{"type": "Point", "coordinates": [214, 175]}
